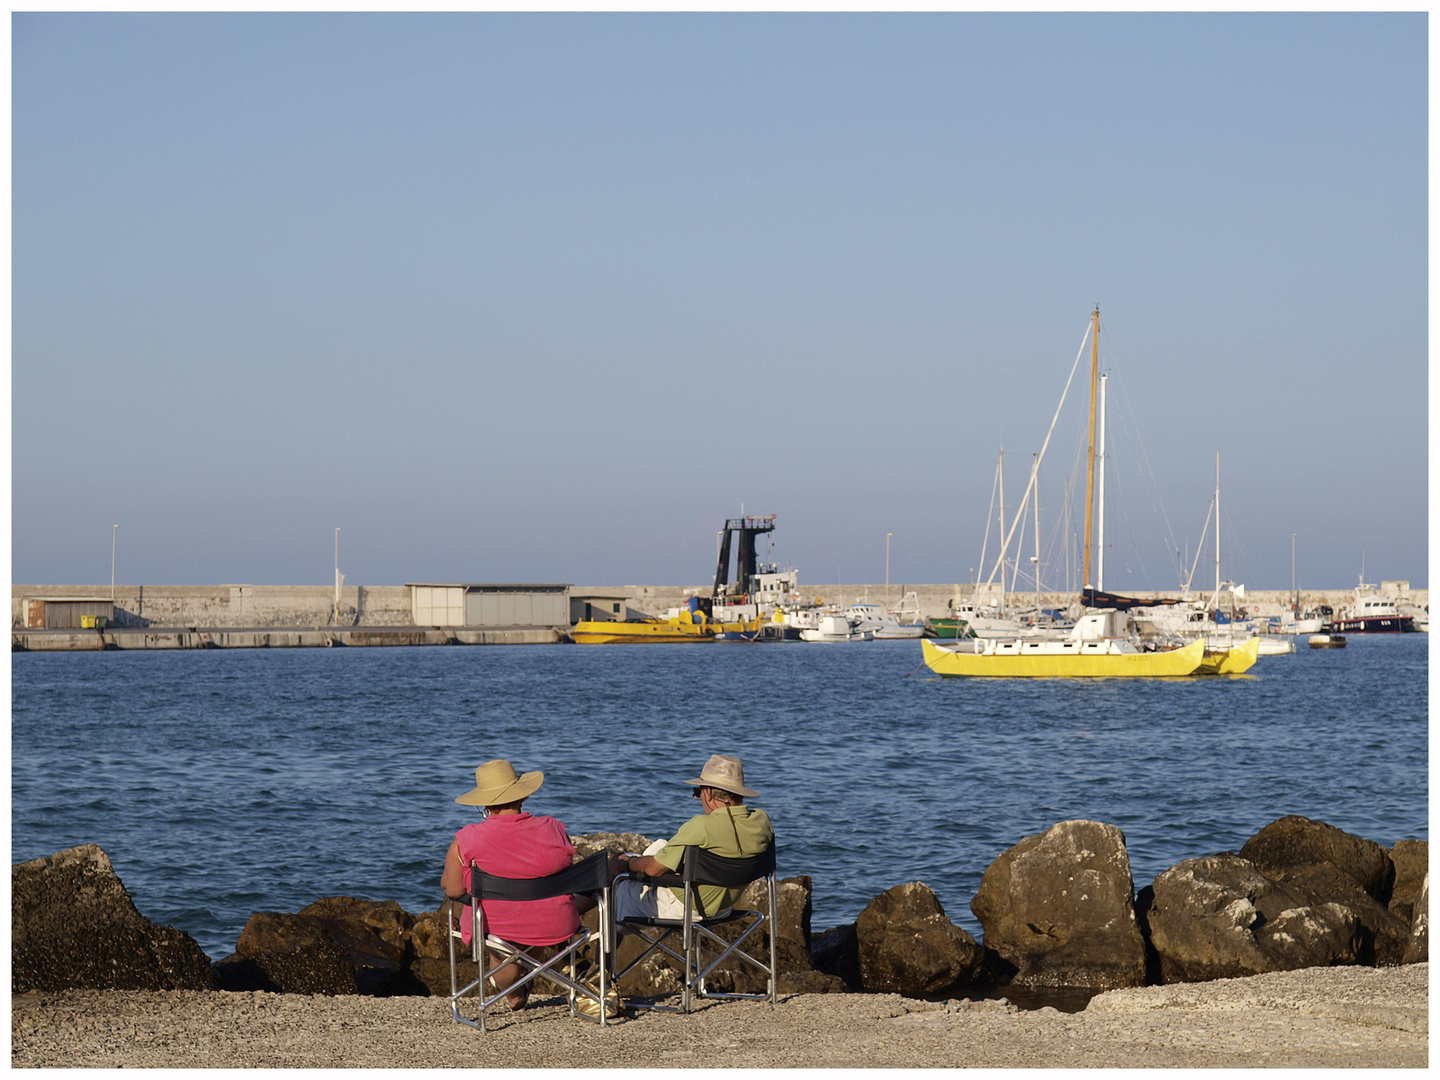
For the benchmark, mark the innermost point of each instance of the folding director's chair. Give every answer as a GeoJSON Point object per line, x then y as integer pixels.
{"type": "Point", "coordinates": [697, 928]}
{"type": "Point", "coordinates": [588, 877]}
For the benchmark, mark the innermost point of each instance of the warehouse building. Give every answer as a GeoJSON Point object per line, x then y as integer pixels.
{"type": "Point", "coordinates": [471, 604]}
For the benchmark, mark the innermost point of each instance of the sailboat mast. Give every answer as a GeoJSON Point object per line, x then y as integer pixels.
{"type": "Point", "coordinates": [1217, 522]}
{"type": "Point", "coordinates": [1100, 547]}
{"type": "Point", "coordinates": [1090, 463]}
{"type": "Point", "coordinates": [1001, 470]}
{"type": "Point", "coordinates": [1035, 468]}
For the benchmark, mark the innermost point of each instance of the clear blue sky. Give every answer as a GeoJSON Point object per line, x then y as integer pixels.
{"type": "Point", "coordinates": [547, 297]}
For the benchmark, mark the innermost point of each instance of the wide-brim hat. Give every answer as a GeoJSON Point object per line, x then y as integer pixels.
{"type": "Point", "coordinates": [496, 784]}
{"type": "Point", "coordinates": [725, 773]}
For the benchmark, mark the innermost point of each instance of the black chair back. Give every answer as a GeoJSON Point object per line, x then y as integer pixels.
{"type": "Point", "coordinates": [589, 875]}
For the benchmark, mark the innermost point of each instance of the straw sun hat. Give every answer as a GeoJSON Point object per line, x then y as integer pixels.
{"type": "Point", "coordinates": [496, 784]}
{"type": "Point", "coordinates": [725, 773]}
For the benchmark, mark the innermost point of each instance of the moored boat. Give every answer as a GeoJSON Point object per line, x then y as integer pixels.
{"type": "Point", "coordinates": [1099, 646]}
{"type": "Point", "coordinates": [1232, 660]}
{"type": "Point", "coordinates": [834, 628]}
{"type": "Point", "coordinates": [1327, 641]}
{"type": "Point", "coordinates": [1371, 613]}
{"type": "Point", "coordinates": [881, 624]}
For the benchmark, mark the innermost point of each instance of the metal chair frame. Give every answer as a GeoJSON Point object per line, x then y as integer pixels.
{"type": "Point", "coordinates": [701, 867]}
{"type": "Point", "coordinates": [589, 877]}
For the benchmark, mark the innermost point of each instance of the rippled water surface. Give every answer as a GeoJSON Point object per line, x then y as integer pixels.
{"type": "Point", "coordinates": [224, 782]}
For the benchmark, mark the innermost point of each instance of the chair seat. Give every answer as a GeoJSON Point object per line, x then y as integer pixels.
{"type": "Point", "coordinates": [727, 915]}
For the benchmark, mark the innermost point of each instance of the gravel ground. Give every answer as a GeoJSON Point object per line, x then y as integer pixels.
{"type": "Point", "coordinates": [1316, 1018]}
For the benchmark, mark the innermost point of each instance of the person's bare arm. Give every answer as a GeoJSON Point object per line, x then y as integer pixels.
{"type": "Point", "coordinates": [452, 878]}
{"type": "Point", "coordinates": [647, 865]}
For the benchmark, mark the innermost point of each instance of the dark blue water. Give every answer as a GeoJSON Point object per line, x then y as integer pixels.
{"type": "Point", "coordinates": [224, 782]}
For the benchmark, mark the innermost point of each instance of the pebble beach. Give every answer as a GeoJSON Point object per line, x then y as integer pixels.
{"type": "Point", "coordinates": [1345, 1017]}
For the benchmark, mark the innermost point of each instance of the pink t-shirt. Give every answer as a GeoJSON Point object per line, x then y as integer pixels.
{"type": "Point", "coordinates": [520, 846]}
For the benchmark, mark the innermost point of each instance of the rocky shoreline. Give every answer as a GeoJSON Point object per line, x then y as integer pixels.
{"type": "Point", "coordinates": [1326, 931]}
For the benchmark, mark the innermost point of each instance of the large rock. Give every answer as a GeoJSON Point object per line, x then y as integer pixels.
{"type": "Point", "coordinates": [906, 945]}
{"type": "Point", "coordinates": [1384, 935]}
{"type": "Point", "coordinates": [1219, 917]}
{"type": "Point", "coordinates": [836, 952]}
{"type": "Point", "coordinates": [1298, 841]}
{"type": "Point", "coordinates": [1060, 908]}
{"type": "Point", "coordinates": [73, 926]}
{"type": "Point", "coordinates": [335, 946]}
{"type": "Point", "coordinates": [615, 843]}
{"type": "Point", "coordinates": [1418, 949]}
{"type": "Point", "coordinates": [1412, 865]}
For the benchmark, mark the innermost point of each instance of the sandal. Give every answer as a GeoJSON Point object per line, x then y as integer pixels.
{"type": "Point", "coordinates": [516, 1001]}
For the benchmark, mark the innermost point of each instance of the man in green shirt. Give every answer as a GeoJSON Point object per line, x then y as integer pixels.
{"type": "Point", "coordinates": [725, 826]}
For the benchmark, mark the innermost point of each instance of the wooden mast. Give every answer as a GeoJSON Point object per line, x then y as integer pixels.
{"type": "Point", "coordinates": [1090, 457]}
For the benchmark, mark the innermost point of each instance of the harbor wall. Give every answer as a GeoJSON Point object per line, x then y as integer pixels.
{"type": "Point", "coordinates": [266, 607]}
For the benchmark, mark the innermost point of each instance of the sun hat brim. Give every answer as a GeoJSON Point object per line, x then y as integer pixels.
{"type": "Point", "coordinates": [724, 784]}
{"type": "Point", "coordinates": [521, 787]}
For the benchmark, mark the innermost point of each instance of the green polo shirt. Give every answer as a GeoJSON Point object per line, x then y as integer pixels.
{"type": "Point", "coordinates": [750, 834]}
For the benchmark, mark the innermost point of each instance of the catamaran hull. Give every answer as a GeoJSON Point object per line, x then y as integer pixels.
{"type": "Point", "coordinates": [1235, 660]}
{"type": "Point", "coordinates": [1080, 665]}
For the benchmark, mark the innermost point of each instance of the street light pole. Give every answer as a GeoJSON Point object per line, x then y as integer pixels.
{"type": "Point", "coordinates": [113, 530]}
{"type": "Point", "coordinates": [887, 566]}
{"type": "Point", "coordinates": [335, 615]}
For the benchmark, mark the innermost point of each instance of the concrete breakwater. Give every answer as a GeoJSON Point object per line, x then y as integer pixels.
{"type": "Point", "coordinates": [276, 616]}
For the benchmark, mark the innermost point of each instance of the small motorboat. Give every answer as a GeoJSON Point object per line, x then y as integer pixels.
{"type": "Point", "coordinates": [1327, 641]}
{"type": "Point", "coordinates": [835, 628]}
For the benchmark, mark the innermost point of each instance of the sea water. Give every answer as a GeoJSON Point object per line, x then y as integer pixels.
{"type": "Point", "coordinates": [225, 782]}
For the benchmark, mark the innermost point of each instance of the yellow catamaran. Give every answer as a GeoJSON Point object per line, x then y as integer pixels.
{"type": "Point", "coordinates": [1102, 644]}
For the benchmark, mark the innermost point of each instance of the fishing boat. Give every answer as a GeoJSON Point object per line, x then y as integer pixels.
{"type": "Point", "coordinates": [686, 626]}
{"type": "Point", "coordinates": [881, 624]}
{"type": "Point", "coordinates": [735, 611]}
{"type": "Point", "coordinates": [835, 628]}
{"type": "Point", "coordinates": [1102, 644]}
{"type": "Point", "coordinates": [1371, 613]}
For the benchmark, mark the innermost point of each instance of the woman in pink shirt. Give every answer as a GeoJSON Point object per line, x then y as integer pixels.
{"type": "Point", "coordinates": [511, 843]}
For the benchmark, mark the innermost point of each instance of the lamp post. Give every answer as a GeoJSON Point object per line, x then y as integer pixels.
{"type": "Point", "coordinates": [113, 530]}
{"type": "Point", "coordinates": [887, 566]}
{"type": "Point", "coordinates": [335, 614]}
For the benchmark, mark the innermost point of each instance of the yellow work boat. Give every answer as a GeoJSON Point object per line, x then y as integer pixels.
{"type": "Point", "coordinates": [1063, 659]}
{"type": "Point", "coordinates": [680, 628]}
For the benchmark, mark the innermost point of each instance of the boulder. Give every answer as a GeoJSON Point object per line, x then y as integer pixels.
{"type": "Point", "coordinates": [615, 843]}
{"type": "Point", "coordinates": [1417, 951]}
{"type": "Point", "coordinates": [906, 945]}
{"type": "Point", "coordinates": [836, 953]}
{"type": "Point", "coordinates": [1412, 864]}
{"type": "Point", "coordinates": [385, 918]}
{"type": "Point", "coordinates": [329, 948]}
{"type": "Point", "coordinates": [1059, 907]}
{"type": "Point", "coordinates": [1384, 935]}
{"type": "Point", "coordinates": [1219, 917]}
{"type": "Point", "coordinates": [1297, 841]}
{"type": "Point", "coordinates": [74, 926]}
